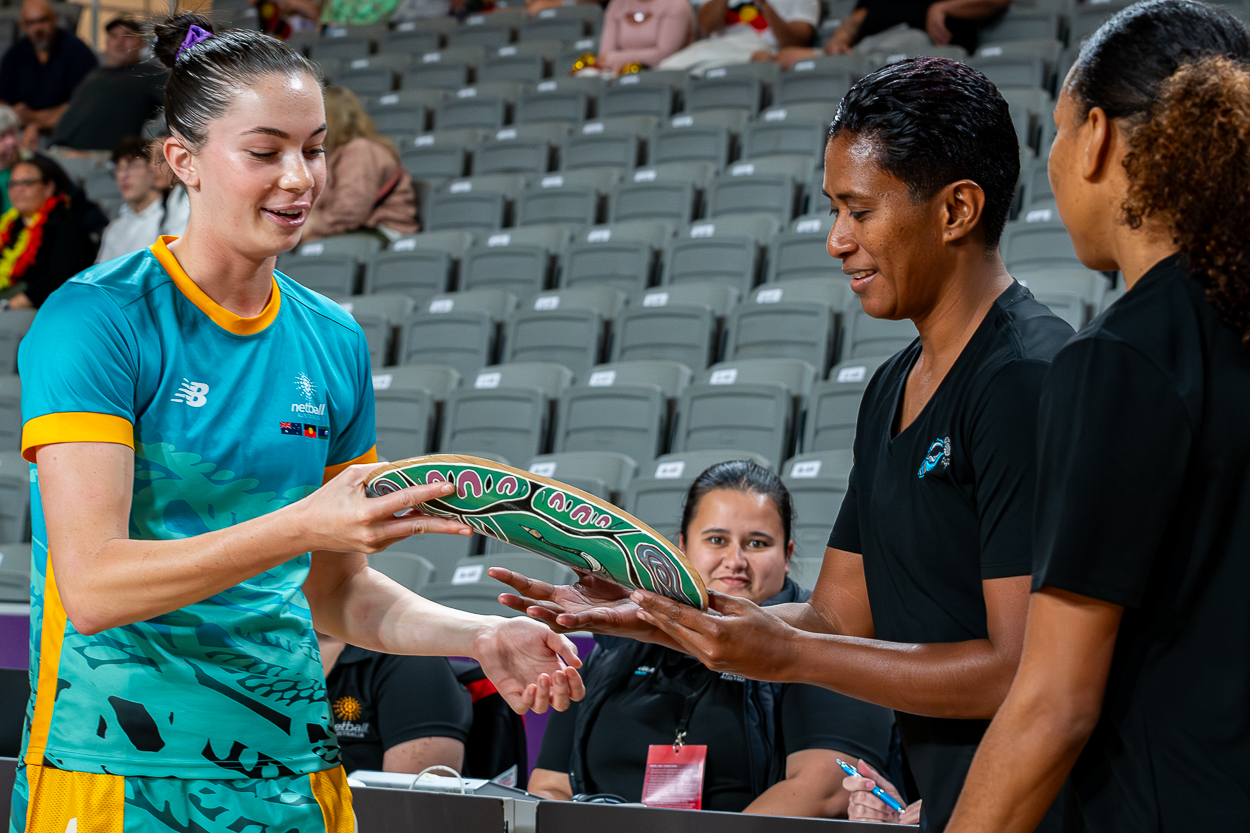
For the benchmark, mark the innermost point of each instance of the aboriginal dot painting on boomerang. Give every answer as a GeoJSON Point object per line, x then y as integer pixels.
{"type": "Point", "coordinates": [551, 519]}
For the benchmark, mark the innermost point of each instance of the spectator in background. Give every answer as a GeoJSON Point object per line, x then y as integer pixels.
{"type": "Point", "coordinates": [177, 203]}
{"type": "Point", "coordinates": [44, 239]}
{"type": "Point", "coordinates": [143, 207]}
{"type": "Point", "coordinates": [899, 26]}
{"type": "Point", "coordinates": [772, 748]}
{"type": "Point", "coordinates": [10, 150]}
{"type": "Point", "coordinates": [40, 72]}
{"type": "Point", "coordinates": [737, 29]}
{"type": "Point", "coordinates": [114, 100]}
{"type": "Point", "coordinates": [366, 185]}
{"type": "Point", "coordinates": [643, 32]}
{"type": "Point", "coordinates": [357, 12]}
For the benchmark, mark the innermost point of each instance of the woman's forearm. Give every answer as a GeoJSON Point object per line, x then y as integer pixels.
{"type": "Point", "coordinates": [812, 788]}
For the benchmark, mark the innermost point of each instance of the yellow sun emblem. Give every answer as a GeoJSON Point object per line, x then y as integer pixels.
{"type": "Point", "coordinates": [347, 708]}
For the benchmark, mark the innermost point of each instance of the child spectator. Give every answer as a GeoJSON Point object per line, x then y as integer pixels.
{"type": "Point", "coordinates": [143, 207]}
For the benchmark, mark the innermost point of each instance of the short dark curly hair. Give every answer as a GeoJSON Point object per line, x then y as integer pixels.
{"type": "Point", "coordinates": [936, 121]}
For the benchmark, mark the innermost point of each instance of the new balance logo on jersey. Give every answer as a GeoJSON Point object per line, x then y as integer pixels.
{"type": "Point", "coordinates": [194, 394]}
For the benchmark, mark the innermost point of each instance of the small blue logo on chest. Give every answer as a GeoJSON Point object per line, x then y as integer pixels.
{"type": "Point", "coordinates": [939, 454]}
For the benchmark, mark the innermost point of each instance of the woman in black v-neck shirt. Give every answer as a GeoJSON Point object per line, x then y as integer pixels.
{"type": "Point", "coordinates": [1136, 671]}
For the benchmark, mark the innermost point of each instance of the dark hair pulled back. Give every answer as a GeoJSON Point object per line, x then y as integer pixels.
{"type": "Point", "coordinates": [1176, 74]}
{"type": "Point", "coordinates": [205, 77]}
{"type": "Point", "coordinates": [739, 476]}
{"type": "Point", "coordinates": [49, 171]}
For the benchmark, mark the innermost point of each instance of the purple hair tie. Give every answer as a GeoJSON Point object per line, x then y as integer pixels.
{"type": "Point", "coordinates": [195, 34]}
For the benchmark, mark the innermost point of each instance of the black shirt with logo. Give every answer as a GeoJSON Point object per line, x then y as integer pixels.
{"type": "Point", "coordinates": [1144, 501]}
{"type": "Point", "coordinates": [382, 700]}
{"type": "Point", "coordinates": [947, 503]}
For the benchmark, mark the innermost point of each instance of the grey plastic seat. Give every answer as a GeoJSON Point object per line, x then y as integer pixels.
{"type": "Point", "coordinates": [10, 412]}
{"type": "Point", "coordinates": [727, 249]}
{"type": "Point", "coordinates": [558, 100]}
{"type": "Point", "coordinates": [379, 316]}
{"type": "Point", "coordinates": [407, 401]}
{"type": "Point", "coordinates": [475, 204]}
{"type": "Point", "coordinates": [773, 186]}
{"type": "Point", "coordinates": [395, 118]}
{"type": "Point", "coordinates": [368, 77]}
{"type": "Point", "coordinates": [408, 569]}
{"type": "Point", "coordinates": [504, 409]}
{"type": "Point", "coordinates": [796, 320]}
{"type": "Point", "coordinates": [750, 404]}
{"type": "Point", "coordinates": [817, 484]}
{"type": "Point", "coordinates": [529, 62]}
{"type": "Point", "coordinates": [410, 41]}
{"type": "Point", "coordinates": [520, 149]}
{"type": "Point", "coordinates": [15, 573]}
{"type": "Point", "coordinates": [519, 260]}
{"type": "Point", "coordinates": [691, 144]}
{"type": "Point", "coordinates": [448, 69]}
{"type": "Point", "coordinates": [657, 493]}
{"type": "Point", "coordinates": [715, 92]}
{"type": "Point", "coordinates": [13, 325]}
{"type": "Point", "coordinates": [733, 119]}
{"type": "Point", "coordinates": [863, 335]}
{"type": "Point", "coordinates": [624, 255]}
{"type": "Point", "coordinates": [459, 329]}
{"type": "Point", "coordinates": [1021, 23]}
{"type": "Point", "coordinates": [330, 266]}
{"type": "Point", "coordinates": [487, 105]}
{"type": "Point", "coordinates": [569, 327]}
{"type": "Point", "coordinates": [487, 37]}
{"type": "Point", "coordinates": [765, 71]}
{"type": "Point", "coordinates": [470, 588]}
{"type": "Point", "coordinates": [591, 14]}
{"type": "Point", "coordinates": [419, 265]}
{"type": "Point", "coordinates": [625, 407]}
{"type": "Point", "coordinates": [609, 471]}
{"type": "Point", "coordinates": [604, 143]}
{"type": "Point", "coordinates": [812, 83]}
{"type": "Point", "coordinates": [1037, 245]}
{"type": "Point", "coordinates": [1088, 285]}
{"type": "Point", "coordinates": [1037, 190]}
{"type": "Point", "coordinates": [672, 191]}
{"type": "Point", "coordinates": [570, 197]}
{"type": "Point", "coordinates": [14, 497]}
{"type": "Point", "coordinates": [833, 407]}
{"type": "Point", "coordinates": [442, 155]}
{"type": "Point", "coordinates": [564, 30]}
{"type": "Point", "coordinates": [678, 323]}
{"type": "Point", "coordinates": [629, 97]}
{"type": "Point", "coordinates": [1005, 71]}
{"type": "Point", "coordinates": [802, 252]}
{"type": "Point", "coordinates": [346, 47]}
{"type": "Point", "coordinates": [783, 131]}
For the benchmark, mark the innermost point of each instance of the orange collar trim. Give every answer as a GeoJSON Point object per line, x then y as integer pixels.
{"type": "Point", "coordinates": [221, 316]}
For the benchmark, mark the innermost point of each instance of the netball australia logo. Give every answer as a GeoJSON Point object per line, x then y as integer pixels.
{"type": "Point", "coordinates": [939, 455]}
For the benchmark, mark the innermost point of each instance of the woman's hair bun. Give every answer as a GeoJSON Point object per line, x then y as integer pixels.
{"type": "Point", "coordinates": [172, 31]}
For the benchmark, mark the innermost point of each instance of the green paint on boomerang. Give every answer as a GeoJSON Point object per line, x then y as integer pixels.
{"type": "Point", "coordinates": [556, 523]}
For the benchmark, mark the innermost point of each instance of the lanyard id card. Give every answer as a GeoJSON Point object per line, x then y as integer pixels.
{"type": "Point", "coordinates": [674, 776]}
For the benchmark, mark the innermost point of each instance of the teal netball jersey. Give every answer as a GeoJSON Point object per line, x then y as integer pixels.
{"type": "Point", "coordinates": [230, 418]}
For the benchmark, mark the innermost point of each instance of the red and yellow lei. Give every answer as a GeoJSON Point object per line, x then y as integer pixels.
{"type": "Point", "coordinates": [17, 255]}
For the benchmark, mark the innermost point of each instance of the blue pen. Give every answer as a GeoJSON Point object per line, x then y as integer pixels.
{"type": "Point", "coordinates": [877, 791]}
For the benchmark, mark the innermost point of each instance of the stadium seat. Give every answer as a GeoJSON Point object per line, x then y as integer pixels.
{"type": "Point", "coordinates": [379, 316]}
{"type": "Point", "coordinates": [811, 82]}
{"type": "Point", "coordinates": [1085, 18]}
{"type": "Point", "coordinates": [727, 249]}
{"type": "Point", "coordinates": [460, 329]}
{"type": "Point", "coordinates": [1038, 195]}
{"type": "Point", "coordinates": [411, 41]}
{"type": "Point", "coordinates": [1079, 291]}
{"type": "Point", "coordinates": [518, 260]}
{"type": "Point", "coordinates": [833, 408]}
{"type": "Point", "coordinates": [607, 143]}
{"type": "Point", "coordinates": [14, 497]}
{"type": "Point", "coordinates": [802, 252]}
{"type": "Point", "coordinates": [658, 492]}
{"type": "Point", "coordinates": [343, 48]}
{"type": "Point", "coordinates": [407, 402]}
{"type": "Point", "coordinates": [1045, 243]}
{"type": "Point", "coordinates": [817, 483]}
{"type": "Point", "coordinates": [407, 569]}
{"type": "Point", "coordinates": [683, 141]}
{"type": "Point", "coordinates": [418, 265]}
{"type": "Point", "coordinates": [678, 323]}
{"type": "Point", "coordinates": [437, 157]}
{"type": "Point", "coordinates": [13, 326]}
{"type": "Point", "coordinates": [770, 186]}
{"type": "Point", "coordinates": [804, 571]}
{"type": "Point", "coordinates": [475, 204]}
{"type": "Point", "coordinates": [564, 30]}
{"type": "Point", "coordinates": [799, 129]}
{"type": "Point", "coordinates": [566, 100]}
{"type": "Point", "coordinates": [473, 591]}
{"type": "Point", "coordinates": [15, 573]}
{"type": "Point", "coordinates": [626, 407]}
{"type": "Point", "coordinates": [448, 69]}
{"type": "Point", "coordinates": [1021, 71]}
{"type": "Point", "coordinates": [765, 71]}
{"type": "Point", "coordinates": [624, 255]}
{"type": "Point", "coordinates": [504, 409]}
{"type": "Point", "coordinates": [372, 76]}
{"type": "Point", "coordinates": [330, 266]}
{"type": "Point", "coordinates": [634, 95]}
{"type": "Point", "coordinates": [574, 198]}
{"type": "Point", "coordinates": [569, 327]}
{"type": "Point", "coordinates": [1023, 23]}
{"type": "Point", "coordinates": [489, 37]}
{"type": "Point", "coordinates": [671, 192]}
{"type": "Point", "coordinates": [750, 404]}
{"type": "Point", "coordinates": [528, 62]}
{"type": "Point", "coordinates": [720, 91]}
{"type": "Point", "coordinates": [591, 15]}
{"type": "Point", "coordinates": [405, 112]}
{"type": "Point", "coordinates": [10, 412]}
{"type": "Point", "coordinates": [519, 149]}
{"type": "Point", "coordinates": [795, 320]}
{"type": "Point", "coordinates": [606, 470]}
{"type": "Point", "coordinates": [487, 104]}
{"type": "Point", "coordinates": [863, 335]}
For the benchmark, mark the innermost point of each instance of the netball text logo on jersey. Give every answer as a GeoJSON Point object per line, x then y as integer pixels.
{"type": "Point", "coordinates": [194, 394]}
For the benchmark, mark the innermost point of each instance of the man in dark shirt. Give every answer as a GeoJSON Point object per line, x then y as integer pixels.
{"type": "Point", "coordinates": [922, 599]}
{"type": "Point", "coordinates": [40, 72]}
{"type": "Point", "coordinates": [114, 100]}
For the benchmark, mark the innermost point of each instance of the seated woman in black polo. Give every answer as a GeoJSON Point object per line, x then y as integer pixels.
{"type": "Point", "coordinates": [771, 748]}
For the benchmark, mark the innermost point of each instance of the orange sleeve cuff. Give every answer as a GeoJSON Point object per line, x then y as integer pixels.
{"type": "Point", "coordinates": [331, 472]}
{"type": "Point", "coordinates": [75, 427]}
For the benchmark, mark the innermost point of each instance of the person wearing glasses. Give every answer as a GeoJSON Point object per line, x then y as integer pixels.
{"type": "Point", "coordinates": [39, 73]}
